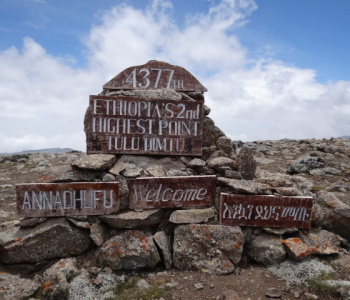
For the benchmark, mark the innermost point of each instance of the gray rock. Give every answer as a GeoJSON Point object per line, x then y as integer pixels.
{"type": "Point", "coordinates": [306, 164]}
{"type": "Point", "coordinates": [132, 219]}
{"type": "Point", "coordinates": [143, 284]}
{"type": "Point", "coordinates": [196, 163]}
{"type": "Point", "coordinates": [245, 186]}
{"type": "Point", "coordinates": [229, 295]}
{"type": "Point", "coordinates": [340, 186]}
{"type": "Point", "coordinates": [267, 249]}
{"type": "Point", "coordinates": [332, 171]}
{"type": "Point", "coordinates": [209, 248]}
{"type": "Point", "coordinates": [129, 250]}
{"type": "Point", "coordinates": [317, 172]}
{"type": "Point", "coordinates": [168, 94]}
{"type": "Point", "coordinates": [211, 133]}
{"type": "Point", "coordinates": [97, 234]}
{"type": "Point", "coordinates": [131, 171]}
{"type": "Point", "coordinates": [172, 173]}
{"type": "Point", "coordinates": [117, 168]}
{"type": "Point", "coordinates": [54, 238]}
{"type": "Point", "coordinates": [199, 286]}
{"type": "Point", "coordinates": [28, 222]}
{"type": "Point", "coordinates": [221, 164]}
{"type": "Point", "coordinates": [192, 216]}
{"type": "Point", "coordinates": [225, 144]}
{"type": "Point", "coordinates": [321, 242]}
{"type": "Point", "coordinates": [296, 249]}
{"type": "Point", "coordinates": [338, 221]}
{"type": "Point", "coordinates": [273, 293]}
{"type": "Point", "coordinates": [123, 192]}
{"type": "Point", "coordinates": [246, 164]}
{"type": "Point", "coordinates": [81, 223]}
{"type": "Point", "coordinates": [233, 174]}
{"type": "Point", "coordinates": [65, 173]}
{"type": "Point", "coordinates": [67, 266]}
{"type": "Point", "coordinates": [9, 224]}
{"type": "Point", "coordinates": [162, 241]}
{"type": "Point", "coordinates": [155, 171]}
{"type": "Point", "coordinates": [329, 199]}
{"type": "Point", "coordinates": [317, 215]}
{"type": "Point", "coordinates": [280, 231]}
{"type": "Point", "coordinates": [145, 162]}
{"type": "Point", "coordinates": [56, 278]}
{"type": "Point", "coordinates": [97, 162]}
{"type": "Point", "coordinates": [13, 287]}
{"type": "Point", "coordinates": [108, 178]}
{"type": "Point", "coordinates": [275, 179]}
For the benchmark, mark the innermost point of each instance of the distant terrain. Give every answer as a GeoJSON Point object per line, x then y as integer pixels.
{"type": "Point", "coordinates": [49, 150]}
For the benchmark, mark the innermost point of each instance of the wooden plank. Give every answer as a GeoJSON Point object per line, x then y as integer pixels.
{"type": "Point", "coordinates": [67, 199]}
{"type": "Point", "coordinates": [168, 192]}
{"type": "Point", "coordinates": [265, 211]}
{"type": "Point", "coordinates": [155, 75]}
{"type": "Point", "coordinates": [124, 125]}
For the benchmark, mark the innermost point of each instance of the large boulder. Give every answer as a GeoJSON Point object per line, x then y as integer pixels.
{"type": "Point", "coordinates": [54, 238]}
{"type": "Point", "coordinates": [209, 248]}
{"type": "Point", "coordinates": [129, 250]}
{"type": "Point", "coordinates": [306, 164]}
{"type": "Point", "coordinates": [338, 221]}
{"type": "Point", "coordinates": [267, 249]}
{"type": "Point", "coordinates": [13, 287]}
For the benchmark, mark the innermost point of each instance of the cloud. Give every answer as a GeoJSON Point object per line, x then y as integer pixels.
{"type": "Point", "coordinates": [43, 98]}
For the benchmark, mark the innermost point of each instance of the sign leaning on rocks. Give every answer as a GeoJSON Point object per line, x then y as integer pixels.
{"type": "Point", "coordinates": [265, 211]}
{"type": "Point", "coordinates": [168, 192]}
{"type": "Point", "coordinates": [67, 199]}
{"type": "Point", "coordinates": [151, 126]}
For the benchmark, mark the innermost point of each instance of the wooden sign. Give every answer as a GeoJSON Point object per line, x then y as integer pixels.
{"type": "Point", "coordinates": [265, 211]}
{"type": "Point", "coordinates": [155, 75]}
{"type": "Point", "coordinates": [168, 192]}
{"type": "Point", "coordinates": [67, 199]}
{"type": "Point", "coordinates": [137, 126]}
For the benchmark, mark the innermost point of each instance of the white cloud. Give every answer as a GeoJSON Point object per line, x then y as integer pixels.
{"type": "Point", "coordinates": [43, 98]}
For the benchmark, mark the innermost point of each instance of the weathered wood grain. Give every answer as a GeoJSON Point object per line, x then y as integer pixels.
{"type": "Point", "coordinates": [67, 199]}
{"type": "Point", "coordinates": [150, 127]}
{"type": "Point", "coordinates": [265, 211]}
{"type": "Point", "coordinates": [168, 192]}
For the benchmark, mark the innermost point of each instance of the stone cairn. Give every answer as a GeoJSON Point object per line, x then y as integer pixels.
{"type": "Point", "coordinates": [185, 239]}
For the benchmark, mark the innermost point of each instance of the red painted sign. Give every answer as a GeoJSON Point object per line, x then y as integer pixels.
{"type": "Point", "coordinates": [265, 211]}
{"type": "Point", "coordinates": [138, 126]}
{"type": "Point", "coordinates": [155, 75]}
{"type": "Point", "coordinates": [67, 199]}
{"type": "Point", "coordinates": [168, 192]}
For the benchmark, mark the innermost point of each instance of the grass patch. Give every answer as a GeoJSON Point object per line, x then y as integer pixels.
{"type": "Point", "coordinates": [319, 284]}
{"type": "Point", "coordinates": [316, 188]}
{"type": "Point", "coordinates": [130, 291]}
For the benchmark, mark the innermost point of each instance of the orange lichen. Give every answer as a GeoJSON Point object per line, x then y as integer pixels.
{"type": "Point", "coordinates": [19, 239]}
{"type": "Point", "coordinates": [2, 272]}
{"type": "Point", "coordinates": [207, 237]}
{"type": "Point", "coordinates": [227, 264]}
{"type": "Point", "coordinates": [47, 286]}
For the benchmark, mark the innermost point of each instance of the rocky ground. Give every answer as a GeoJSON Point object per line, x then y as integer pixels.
{"type": "Point", "coordinates": [324, 163]}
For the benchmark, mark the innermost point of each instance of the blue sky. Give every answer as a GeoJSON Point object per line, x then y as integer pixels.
{"type": "Point", "coordinates": [274, 68]}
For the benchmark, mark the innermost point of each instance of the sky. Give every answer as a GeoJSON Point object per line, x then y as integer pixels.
{"type": "Point", "coordinates": [274, 69]}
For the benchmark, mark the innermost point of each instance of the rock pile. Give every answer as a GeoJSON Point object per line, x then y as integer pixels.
{"type": "Point", "coordinates": [85, 250]}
